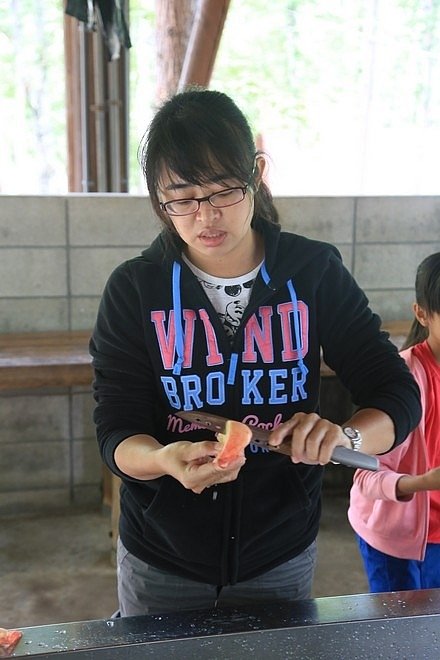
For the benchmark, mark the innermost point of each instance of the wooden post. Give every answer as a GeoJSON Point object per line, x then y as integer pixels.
{"type": "Point", "coordinates": [173, 26]}
{"type": "Point", "coordinates": [73, 104]}
{"type": "Point", "coordinates": [97, 125]}
{"type": "Point", "coordinates": [203, 43]}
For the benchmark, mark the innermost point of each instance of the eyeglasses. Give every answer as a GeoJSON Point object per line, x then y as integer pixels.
{"type": "Point", "coordinates": [219, 200]}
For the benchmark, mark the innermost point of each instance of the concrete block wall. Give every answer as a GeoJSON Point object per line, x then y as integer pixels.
{"type": "Point", "coordinates": [57, 252]}
{"type": "Point", "coordinates": [55, 256]}
{"type": "Point", "coordinates": [48, 452]}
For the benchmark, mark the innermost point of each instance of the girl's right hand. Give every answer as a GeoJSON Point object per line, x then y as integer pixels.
{"type": "Point", "coordinates": [191, 463]}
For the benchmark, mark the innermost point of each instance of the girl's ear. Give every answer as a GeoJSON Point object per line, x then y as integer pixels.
{"type": "Point", "coordinates": [420, 315]}
{"type": "Point", "coordinates": [259, 171]}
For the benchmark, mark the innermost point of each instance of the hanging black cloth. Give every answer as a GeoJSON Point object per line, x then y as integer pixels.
{"type": "Point", "coordinates": [109, 15]}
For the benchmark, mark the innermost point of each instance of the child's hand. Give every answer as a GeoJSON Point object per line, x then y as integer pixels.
{"type": "Point", "coordinates": [432, 479]}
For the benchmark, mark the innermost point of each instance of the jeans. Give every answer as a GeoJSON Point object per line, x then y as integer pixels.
{"type": "Point", "coordinates": [143, 589]}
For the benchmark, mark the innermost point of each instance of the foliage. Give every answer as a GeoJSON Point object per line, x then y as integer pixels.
{"type": "Point", "coordinates": [32, 110]}
{"type": "Point", "coordinates": [345, 93]}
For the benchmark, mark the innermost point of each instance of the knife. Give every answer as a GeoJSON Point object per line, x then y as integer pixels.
{"type": "Point", "coordinates": [260, 438]}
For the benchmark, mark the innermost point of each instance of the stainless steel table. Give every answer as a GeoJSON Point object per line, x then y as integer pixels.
{"type": "Point", "coordinates": [400, 625]}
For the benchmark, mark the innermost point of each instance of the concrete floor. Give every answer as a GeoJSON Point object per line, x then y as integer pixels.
{"type": "Point", "coordinates": [58, 568]}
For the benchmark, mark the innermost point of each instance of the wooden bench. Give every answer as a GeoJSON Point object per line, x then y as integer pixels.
{"type": "Point", "coordinates": [31, 360]}
{"type": "Point", "coordinates": [53, 359]}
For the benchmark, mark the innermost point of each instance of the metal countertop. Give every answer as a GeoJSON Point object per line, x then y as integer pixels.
{"type": "Point", "coordinates": [397, 625]}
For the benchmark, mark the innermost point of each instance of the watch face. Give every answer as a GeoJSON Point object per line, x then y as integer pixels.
{"type": "Point", "coordinates": [354, 436]}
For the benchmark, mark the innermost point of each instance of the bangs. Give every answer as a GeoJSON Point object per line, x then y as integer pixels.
{"type": "Point", "coordinates": [200, 157]}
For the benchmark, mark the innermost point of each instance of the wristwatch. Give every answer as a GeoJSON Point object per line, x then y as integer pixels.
{"type": "Point", "coordinates": [354, 436]}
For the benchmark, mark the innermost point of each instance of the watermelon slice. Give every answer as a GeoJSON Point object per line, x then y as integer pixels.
{"type": "Point", "coordinates": [235, 439]}
{"type": "Point", "coordinates": [8, 641]}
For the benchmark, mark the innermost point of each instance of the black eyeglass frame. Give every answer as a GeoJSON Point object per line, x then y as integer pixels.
{"type": "Point", "coordinates": [199, 200]}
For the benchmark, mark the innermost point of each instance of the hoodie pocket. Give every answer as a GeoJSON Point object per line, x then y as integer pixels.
{"type": "Point", "coordinates": [273, 498]}
{"type": "Point", "coordinates": [180, 523]}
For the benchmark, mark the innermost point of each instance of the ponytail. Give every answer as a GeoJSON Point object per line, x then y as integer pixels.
{"type": "Point", "coordinates": [417, 333]}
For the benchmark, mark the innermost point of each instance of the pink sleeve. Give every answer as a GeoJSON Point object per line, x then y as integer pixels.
{"type": "Point", "coordinates": [379, 485]}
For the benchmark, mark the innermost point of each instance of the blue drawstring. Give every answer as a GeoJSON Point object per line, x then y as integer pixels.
{"type": "Point", "coordinates": [177, 308]}
{"type": "Point", "coordinates": [265, 274]}
{"type": "Point", "coordinates": [296, 324]}
{"type": "Point", "coordinates": [232, 369]}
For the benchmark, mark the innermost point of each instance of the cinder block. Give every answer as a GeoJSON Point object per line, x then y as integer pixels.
{"type": "Point", "coordinates": [403, 219]}
{"type": "Point", "coordinates": [91, 267]}
{"type": "Point", "coordinates": [83, 311]}
{"type": "Point", "coordinates": [391, 304]}
{"type": "Point", "coordinates": [32, 220]}
{"type": "Point", "coordinates": [327, 219]}
{"type": "Point", "coordinates": [33, 272]}
{"type": "Point", "coordinates": [34, 465]}
{"type": "Point", "coordinates": [87, 463]}
{"type": "Point", "coordinates": [391, 266]}
{"type": "Point", "coordinates": [33, 314]}
{"type": "Point", "coordinates": [111, 219]}
{"type": "Point", "coordinates": [83, 406]}
{"type": "Point", "coordinates": [34, 500]}
{"type": "Point", "coordinates": [35, 418]}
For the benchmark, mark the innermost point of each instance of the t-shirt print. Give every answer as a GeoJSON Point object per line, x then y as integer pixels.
{"type": "Point", "coordinates": [229, 296]}
{"type": "Point", "coordinates": [230, 301]}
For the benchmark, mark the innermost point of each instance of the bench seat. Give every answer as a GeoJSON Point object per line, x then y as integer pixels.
{"type": "Point", "coordinates": [31, 360]}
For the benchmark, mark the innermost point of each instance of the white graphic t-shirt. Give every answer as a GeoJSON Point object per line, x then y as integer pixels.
{"type": "Point", "coordinates": [229, 296]}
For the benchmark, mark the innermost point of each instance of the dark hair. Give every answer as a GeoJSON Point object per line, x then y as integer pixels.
{"type": "Point", "coordinates": [427, 296]}
{"type": "Point", "coordinates": [200, 135]}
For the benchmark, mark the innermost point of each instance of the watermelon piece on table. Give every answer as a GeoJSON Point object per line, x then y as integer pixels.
{"type": "Point", "coordinates": [235, 439]}
{"type": "Point", "coordinates": [8, 641]}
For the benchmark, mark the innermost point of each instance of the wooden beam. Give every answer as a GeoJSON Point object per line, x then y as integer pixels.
{"type": "Point", "coordinates": [203, 43]}
{"type": "Point", "coordinates": [174, 19]}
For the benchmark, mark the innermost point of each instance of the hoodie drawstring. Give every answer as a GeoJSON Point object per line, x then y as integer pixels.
{"type": "Point", "coordinates": [177, 309]}
{"type": "Point", "coordinates": [296, 324]}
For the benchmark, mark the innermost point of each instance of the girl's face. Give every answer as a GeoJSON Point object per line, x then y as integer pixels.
{"type": "Point", "coordinates": [219, 241]}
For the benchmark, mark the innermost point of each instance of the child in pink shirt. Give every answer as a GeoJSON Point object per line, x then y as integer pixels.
{"type": "Point", "coordinates": [396, 512]}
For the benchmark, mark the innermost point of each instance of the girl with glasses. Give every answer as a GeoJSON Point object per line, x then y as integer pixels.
{"type": "Point", "coordinates": [227, 314]}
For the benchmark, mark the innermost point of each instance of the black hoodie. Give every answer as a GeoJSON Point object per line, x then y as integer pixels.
{"type": "Point", "coordinates": [159, 347]}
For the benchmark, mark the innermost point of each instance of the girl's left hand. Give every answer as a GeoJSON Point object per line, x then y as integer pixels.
{"type": "Point", "coordinates": [312, 438]}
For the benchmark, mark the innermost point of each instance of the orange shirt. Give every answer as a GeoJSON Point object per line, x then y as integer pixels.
{"type": "Point", "coordinates": [432, 431]}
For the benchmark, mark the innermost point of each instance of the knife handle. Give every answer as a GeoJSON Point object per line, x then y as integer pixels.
{"type": "Point", "coordinates": [356, 459]}
{"type": "Point", "coordinates": [342, 455]}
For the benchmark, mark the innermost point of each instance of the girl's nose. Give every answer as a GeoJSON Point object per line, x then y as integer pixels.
{"type": "Point", "coordinates": [207, 211]}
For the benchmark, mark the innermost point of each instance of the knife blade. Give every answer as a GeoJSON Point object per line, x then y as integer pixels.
{"type": "Point", "coordinates": [260, 438]}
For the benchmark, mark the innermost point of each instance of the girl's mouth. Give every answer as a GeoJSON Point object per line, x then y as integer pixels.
{"type": "Point", "coordinates": [212, 238]}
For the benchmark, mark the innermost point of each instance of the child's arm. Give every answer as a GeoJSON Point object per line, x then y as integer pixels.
{"type": "Point", "coordinates": [410, 484]}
